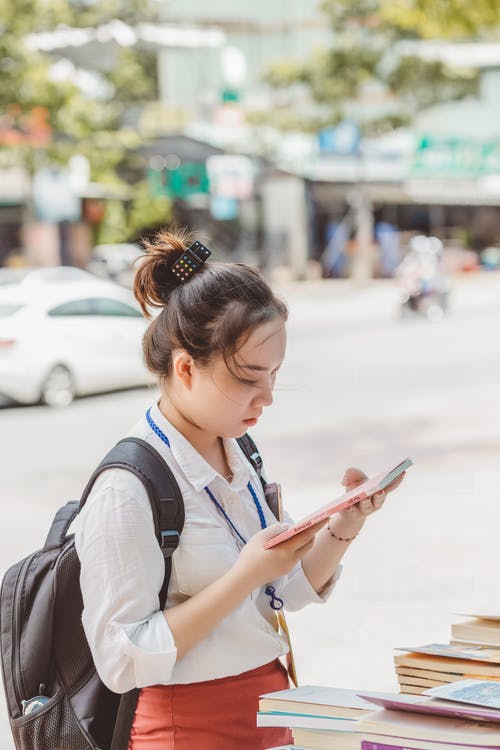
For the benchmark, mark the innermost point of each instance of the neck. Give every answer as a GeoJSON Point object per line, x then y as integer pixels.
{"type": "Point", "coordinates": [204, 442]}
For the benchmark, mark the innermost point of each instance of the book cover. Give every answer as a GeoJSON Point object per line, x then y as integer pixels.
{"type": "Point", "coordinates": [317, 700]}
{"type": "Point", "coordinates": [452, 651]}
{"type": "Point", "coordinates": [476, 642]}
{"type": "Point", "coordinates": [481, 614]}
{"type": "Point", "coordinates": [362, 491]}
{"type": "Point", "coordinates": [475, 692]}
{"type": "Point", "coordinates": [376, 742]}
{"type": "Point", "coordinates": [430, 706]}
{"type": "Point", "coordinates": [306, 721]}
{"type": "Point", "coordinates": [435, 674]}
{"type": "Point", "coordinates": [475, 660]}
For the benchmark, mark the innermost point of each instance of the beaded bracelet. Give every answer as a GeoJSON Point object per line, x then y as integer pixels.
{"type": "Point", "coordinates": [340, 538]}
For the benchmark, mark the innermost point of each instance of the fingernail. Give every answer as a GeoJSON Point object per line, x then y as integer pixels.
{"type": "Point", "coordinates": [379, 495]}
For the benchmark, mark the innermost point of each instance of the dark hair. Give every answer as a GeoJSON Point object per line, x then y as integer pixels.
{"type": "Point", "coordinates": [215, 311]}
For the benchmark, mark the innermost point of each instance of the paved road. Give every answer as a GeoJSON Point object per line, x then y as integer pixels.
{"type": "Point", "coordinates": [359, 387]}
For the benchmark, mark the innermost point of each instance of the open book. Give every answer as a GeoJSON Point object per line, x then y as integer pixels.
{"type": "Point", "coordinates": [367, 488]}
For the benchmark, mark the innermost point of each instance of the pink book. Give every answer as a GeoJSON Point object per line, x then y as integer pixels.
{"type": "Point", "coordinates": [367, 488]}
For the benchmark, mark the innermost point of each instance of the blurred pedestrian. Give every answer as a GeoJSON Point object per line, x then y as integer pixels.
{"type": "Point", "coordinates": [216, 347]}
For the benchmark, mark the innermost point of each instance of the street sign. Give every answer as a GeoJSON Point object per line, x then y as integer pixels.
{"type": "Point", "coordinates": [453, 157]}
{"type": "Point", "coordinates": [185, 180]}
{"type": "Point", "coordinates": [231, 176]}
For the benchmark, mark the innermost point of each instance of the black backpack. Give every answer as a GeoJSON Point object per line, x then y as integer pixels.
{"type": "Point", "coordinates": [55, 698]}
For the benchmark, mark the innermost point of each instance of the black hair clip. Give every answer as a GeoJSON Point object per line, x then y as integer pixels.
{"type": "Point", "coordinates": [191, 260]}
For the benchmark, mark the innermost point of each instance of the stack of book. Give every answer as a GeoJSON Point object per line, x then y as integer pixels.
{"type": "Point", "coordinates": [461, 716]}
{"type": "Point", "coordinates": [319, 717]}
{"type": "Point", "coordinates": [422, 667]}
{"type": "Point", "coordinates": [479, 630]}
{"type": "Point", "coordinates": [464, 715]}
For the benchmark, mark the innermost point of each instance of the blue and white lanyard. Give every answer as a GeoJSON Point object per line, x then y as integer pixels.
{"type": "Point", "coordinates": [275, 601]}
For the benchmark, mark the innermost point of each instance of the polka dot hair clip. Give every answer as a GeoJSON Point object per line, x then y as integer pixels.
{"type": "Point", "coordinates": [191, 260]}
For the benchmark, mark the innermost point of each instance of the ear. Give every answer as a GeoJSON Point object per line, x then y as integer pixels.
{"type": "Point", "coordinates": [182, 368]}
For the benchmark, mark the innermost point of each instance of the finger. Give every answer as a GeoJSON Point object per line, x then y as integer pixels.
{"type": "Point", "coordinates": [365, 506]}
{"type": "Point", "coordinates": [303, 537]}
{"type": "Point", "coordinates": [378, 500]}
{"type": "Point", "coordinates": [353, 476]}
{"type": "Point", "coordinates": [274, 530]}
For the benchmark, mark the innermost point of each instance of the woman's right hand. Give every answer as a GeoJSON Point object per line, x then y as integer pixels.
{"type": "Point", "coordinates": [260, 566]}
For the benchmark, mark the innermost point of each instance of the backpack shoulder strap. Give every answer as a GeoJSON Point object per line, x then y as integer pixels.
{"type": "Point", "coordinates": [252, 454]}
{"type": "Point", "coordinates": [140, 458]}
{"type": "Point", "coordinates": [167, 505]}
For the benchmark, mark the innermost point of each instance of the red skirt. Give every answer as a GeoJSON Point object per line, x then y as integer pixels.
{"type": "Point", "coordinates": [213, 715]}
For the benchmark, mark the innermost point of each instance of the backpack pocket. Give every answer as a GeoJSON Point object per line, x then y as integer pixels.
{"type": "Point", "coordinates": [51, 727]}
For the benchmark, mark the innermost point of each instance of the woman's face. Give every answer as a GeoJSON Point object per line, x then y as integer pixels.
{"type": "Point", "coordinates": [219, 402]}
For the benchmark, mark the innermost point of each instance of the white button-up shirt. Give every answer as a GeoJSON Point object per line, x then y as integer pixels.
{"type": "Point", "coordinates": [122, 570]}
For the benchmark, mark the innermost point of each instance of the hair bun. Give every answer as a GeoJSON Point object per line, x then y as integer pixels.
{"type": "Point", "coordinates": [152, 283]}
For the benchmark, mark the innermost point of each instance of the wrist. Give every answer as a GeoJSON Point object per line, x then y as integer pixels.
{"type": "Point", "coordinates": [344, 532]}
{"type": "Point", "coordinates": [243, 577]}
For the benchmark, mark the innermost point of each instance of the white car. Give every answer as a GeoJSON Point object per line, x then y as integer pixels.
{"type": "Point", "coordinates": [43, 275]}
{"type": "Point", "coordinates": [58, 341]}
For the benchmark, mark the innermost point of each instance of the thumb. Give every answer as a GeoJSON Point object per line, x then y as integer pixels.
{"type": "Point", "coordinates": [274, 530]}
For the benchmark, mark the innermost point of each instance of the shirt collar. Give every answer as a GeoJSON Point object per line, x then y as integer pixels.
{"type": "Point", "coordinates": [195, 468]}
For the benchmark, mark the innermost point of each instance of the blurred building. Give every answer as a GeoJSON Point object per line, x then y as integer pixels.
{"type": "Point", "coordinates": [256, 35]}
{"type": "Point", "coordinates": [278, 198]}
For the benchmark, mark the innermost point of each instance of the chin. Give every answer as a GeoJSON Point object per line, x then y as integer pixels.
{"type": "Point", "coordinates": [235, 433]}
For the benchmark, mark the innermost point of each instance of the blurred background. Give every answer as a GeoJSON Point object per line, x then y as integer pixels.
{"type": "Point", "coordinates": [350, 150]}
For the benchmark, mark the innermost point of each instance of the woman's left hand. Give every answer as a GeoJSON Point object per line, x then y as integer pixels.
{"type": "Point", "coordinates": [352, 478]}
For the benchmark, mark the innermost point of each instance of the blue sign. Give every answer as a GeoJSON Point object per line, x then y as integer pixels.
{"type": "Point", "coordinates": [342, 140]}
{"type": "Point", "coordinates": [223, 209]}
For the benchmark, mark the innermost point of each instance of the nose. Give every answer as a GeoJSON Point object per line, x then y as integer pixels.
{"type": "Point", "coordinates": [265, 397]}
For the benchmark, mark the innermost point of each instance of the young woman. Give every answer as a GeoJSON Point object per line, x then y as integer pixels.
{"type": "Point", "coordinates": [216, 346]}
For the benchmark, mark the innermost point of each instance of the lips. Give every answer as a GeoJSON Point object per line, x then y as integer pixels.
{"type": "Point", "coordinates": [251, 420]}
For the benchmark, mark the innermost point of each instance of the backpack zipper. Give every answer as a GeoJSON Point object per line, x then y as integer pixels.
{"type": "Point", "coordinates": [16, 616]}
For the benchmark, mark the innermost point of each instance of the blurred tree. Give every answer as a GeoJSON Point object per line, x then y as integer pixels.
{"type": "Point", "coordinates": [364, 58]}
{"type": "Point", "coordinates": [45, 117]}
{"type": "Point", "coordinates": [456, 19]}
{"type": "Point", "coordinates": [145, 212]}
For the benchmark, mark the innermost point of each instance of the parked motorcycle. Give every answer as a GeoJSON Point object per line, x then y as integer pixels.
{"type": "Point", "coordinates": [424, 286]}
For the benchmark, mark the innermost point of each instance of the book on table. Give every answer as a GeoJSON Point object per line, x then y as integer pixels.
{"type": "Point", "coordinates": [435, 674]}
{"type": "Point", "coordinates": [473, 693]}
{"type": "Point", "coordinates": [419, 731]}
{"type": "Point", "coordinates": [374, 742]}
{"type": "Point", "coordinates": [314, 712]}
{"type": "Point", "coordinates": [305, 721]}
{"type": "Point", "coordinates": [435, 664]}
{"type": "Point", "coordinates": [433, 704]}
{"type": "Point", "coordinates": [477, 630]}
{"type": "Point", "coordinates": [317, 700]}
{"type": "Point", "coordinates": [314, 739]}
